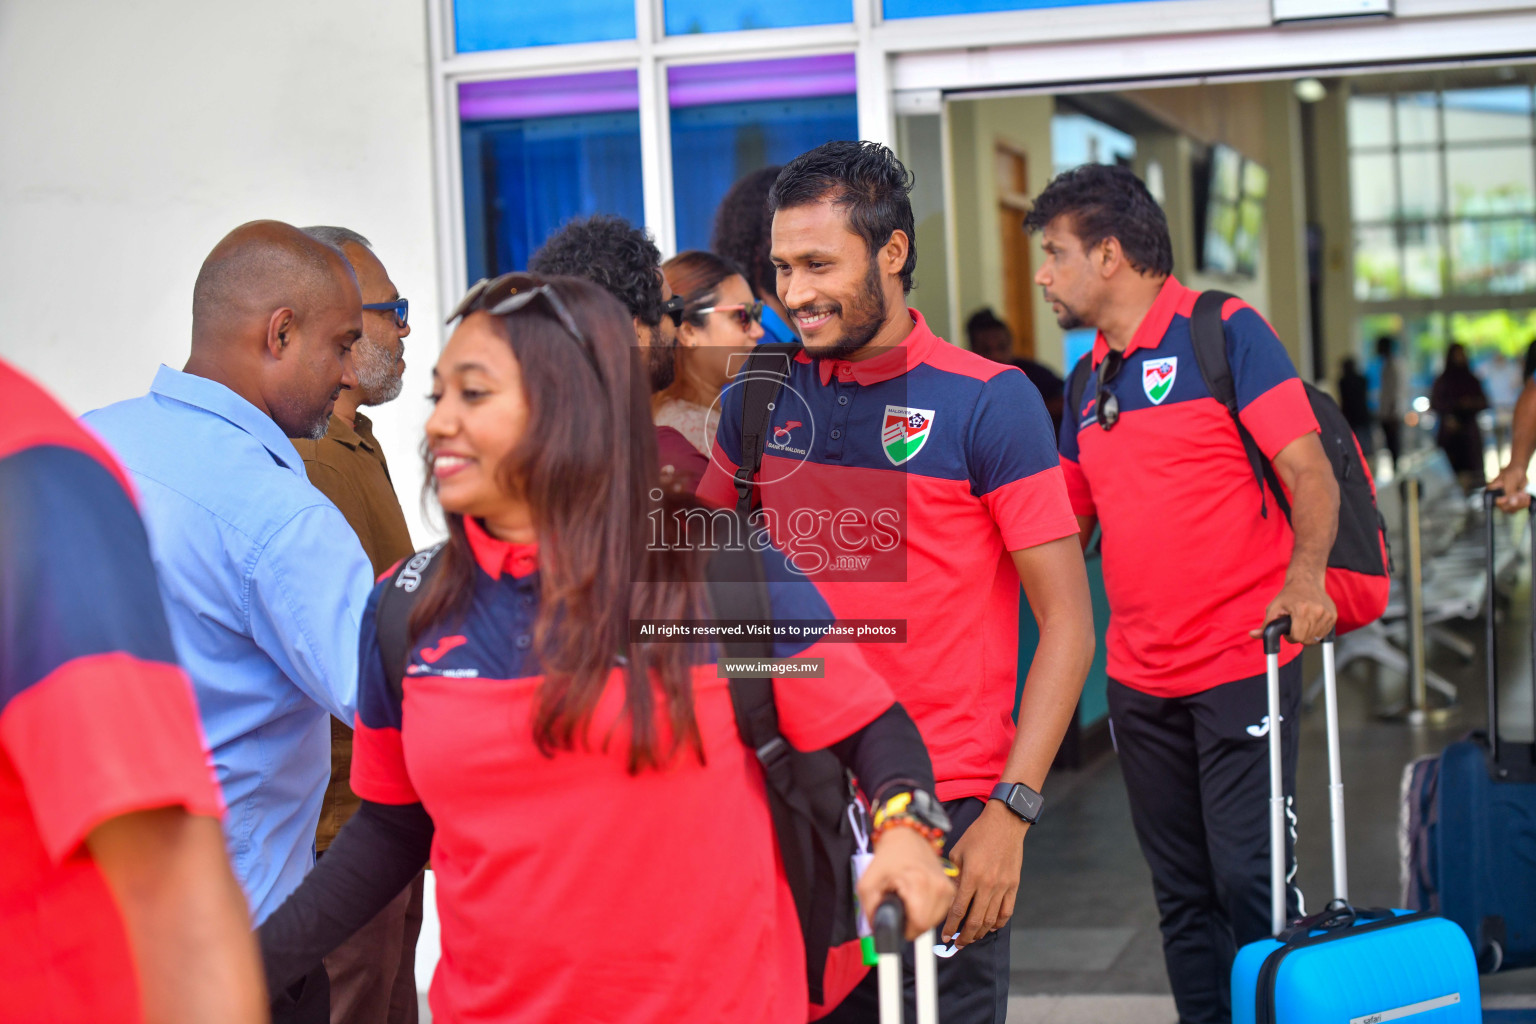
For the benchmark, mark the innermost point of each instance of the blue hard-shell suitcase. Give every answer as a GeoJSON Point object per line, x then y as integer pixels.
{"type": "Point", "coordinates": [1346, 965]}
{"type": "Point", "coordinates": [1470, 827]}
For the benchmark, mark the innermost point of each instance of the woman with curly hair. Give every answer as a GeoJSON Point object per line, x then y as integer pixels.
{"type": "Point", "coordinates": [600, 834]}
{"type": "Point", "coordinates": [722, 321]}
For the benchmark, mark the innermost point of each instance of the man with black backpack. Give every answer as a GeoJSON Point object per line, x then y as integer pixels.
{"type": "Point", "coordinates": [917, 484]}
{"type": "Point", "coordinates": [1180, 421]}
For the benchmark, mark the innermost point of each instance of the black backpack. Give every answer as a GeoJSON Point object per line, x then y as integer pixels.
{"type": "Point", "coordinates": [1360, 565]}
{"type": "Point", "coordinates": [760, 378]}
{"type": "Point", "coordinates": [809, 792]}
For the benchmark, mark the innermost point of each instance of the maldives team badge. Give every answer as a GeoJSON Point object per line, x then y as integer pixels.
{"type": "Point", "coordinates": [1157, 377]}
{"type": "Point", "coordinates": [905, 432]}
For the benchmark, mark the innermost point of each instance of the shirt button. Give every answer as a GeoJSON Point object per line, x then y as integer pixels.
{"type": "Point", "coordinates": [836, 434]}
{"type": "Point", "coordinates": [842, 399]}
{"type": "Point", "coordinates": [523, 642]}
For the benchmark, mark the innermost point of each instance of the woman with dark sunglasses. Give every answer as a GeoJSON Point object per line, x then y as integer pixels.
{"type": "Point", "coordinates": [600, 834]}
{"type": "Point", "coordinates": [721, 323]}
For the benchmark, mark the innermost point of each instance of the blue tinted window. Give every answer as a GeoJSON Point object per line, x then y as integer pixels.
{"type": "Point", "coordinates": [731, 119]}
{"type": "Point", "coordinates": [506, 24]}
{"type": "Point", "coordinates": [524, 178]}
{"type": "Point", "coordinates": [925, 8]}
{"type": "Point", "coordinates": [690, 16]}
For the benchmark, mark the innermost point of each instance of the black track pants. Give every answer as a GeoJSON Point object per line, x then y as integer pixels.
{"type": "Point", "coordinates": [1197, 770]}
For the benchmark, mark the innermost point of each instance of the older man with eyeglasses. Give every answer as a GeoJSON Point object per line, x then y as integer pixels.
{"type": "Point", "coordinates": [373, 974]}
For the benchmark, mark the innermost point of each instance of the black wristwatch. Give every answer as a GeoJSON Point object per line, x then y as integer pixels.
{"type": "Point", "coordinates": [927, 809]}
{"type": "Point", "coordinates": [1020, 799]}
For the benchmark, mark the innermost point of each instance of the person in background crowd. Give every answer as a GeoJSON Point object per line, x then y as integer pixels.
{"type": "Point", "coordinates": [1391, 395]}
{"type": "Point", "coordinates": [116, 898]}
{"type": "Point", "coordinates": [613, 253]}
{"type": "Point", "coordinates": [977, 505]}
{"type": "Point", "coordinates": [373, 974]}
{"type": "Point", "coordinates": [611, 856]}
{"type": "Point", "coordinates": [1355, 403]}
{"type": "Point", "coordinates": [1512, 478]}
{"type": "Point", "coordinates": [1193, 565]}
{"type": "Point", "coordinates": [992, 339]}
{"type": "Point", "coordinates": [721, 323]}
{"type": "Point", "coordinates": [743, 225]}
{"type": "Point", "coordinates": [263, 579]}
{"type": "Point", "coordinates": [1456, 398]}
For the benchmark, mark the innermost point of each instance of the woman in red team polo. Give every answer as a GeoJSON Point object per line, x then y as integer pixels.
{"type": "Point", "coordinates": [600, 834]}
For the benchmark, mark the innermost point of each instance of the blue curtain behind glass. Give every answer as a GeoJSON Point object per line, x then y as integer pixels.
{"type": "Point", "coordinates": [685, 17]}
{"type": "Point", "coordinates": [525, 178]}
{"type": "Point", "coordinates": [927, 8]}
{"type": "Point", "coordinates": [712, 146]}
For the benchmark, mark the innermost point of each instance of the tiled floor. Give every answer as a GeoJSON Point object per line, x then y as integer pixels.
{"type": "Point", "coordinates": [1086, 945]}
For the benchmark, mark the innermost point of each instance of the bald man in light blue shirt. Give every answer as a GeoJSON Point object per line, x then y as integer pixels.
{"type": "Point", "coordinates": [262, 578]}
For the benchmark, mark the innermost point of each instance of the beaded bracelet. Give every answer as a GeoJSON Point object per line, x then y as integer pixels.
{"type": "Point", "coordinates": [904, 820]}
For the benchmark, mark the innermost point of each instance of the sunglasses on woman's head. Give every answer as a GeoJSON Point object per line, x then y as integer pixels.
{"type": "Point", "coordinates": [675, 307]}
{"type": "Point", "coordinates": [509, 293]}
{"type": "Point", "coordinates": [747, 314]}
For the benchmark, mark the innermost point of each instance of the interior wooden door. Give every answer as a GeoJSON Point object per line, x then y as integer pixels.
{"type": "Point", "coordinates": [1018, 283]}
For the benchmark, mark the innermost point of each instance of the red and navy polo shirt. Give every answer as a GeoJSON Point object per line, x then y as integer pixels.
{"type": "Point", "coordinates": [1190, 563]}
{"type": "Point", "coordinates": [569, 889]}
{"type": "Point", "coordinates": [96, 718]}
{"type": "Point", "coordinates": [900, 483]}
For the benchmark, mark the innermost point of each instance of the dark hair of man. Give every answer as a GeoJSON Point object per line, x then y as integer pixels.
{"type": "Point", "coordinates": [743, 231]}
{"type": "Point", "coordinates": [866, 181]}
{"type": "Point", "coordinates": [1103, 201]}
{"type": "Point", "coordinates": [611, 252]}
{"type": "Point", "coordinates": [695, 275]}
{"type": "Point", "coordinates": [587, 467]}
{"type": "Point", "coordinates": [983, 320]}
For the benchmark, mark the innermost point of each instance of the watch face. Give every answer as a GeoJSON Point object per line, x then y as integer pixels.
{"type": "Point", "coordinates": [1025, 802]}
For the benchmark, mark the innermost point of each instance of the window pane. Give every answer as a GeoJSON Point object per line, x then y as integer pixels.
{"type": "Point", "coordinates": [925, 8]}
{"type": "Point", "coordinates": [1377, 272]}
{"type": "Point", "coordinates": [1493, 257]}
{"type": "Point", "coordinates": [1372, 188]}
{"type": "Point", "coordinates": [1370, 121]}
{"type": "Point", "coordinates": [691, 16]}
{"type": "Point", "coordinates": [1492, 180]}
{"type": "Point", "coordinates": [1423, 260]}
{"type": "Point", "coordinates": [1077, 139]}
{"type": "Point", "coordinates": [731, 119]}
{"type": "Point", "coordinates": [1473, 115]}
{"type": "Point", "coordinates": [1421, 183]}
{"type": "Point", "coordinates": [500, 25]}
{"type": "Point", "coordinates": [537, 152]}
{"type": "Point", "coordinates": [1417, 119]}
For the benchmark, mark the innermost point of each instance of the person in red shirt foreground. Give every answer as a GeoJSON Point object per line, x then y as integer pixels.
{"type": "Point", "coordinates": [117, 902]}
{"type": "Point", "coordinates": [600, 834]}
{"type": "Point", "coordinates": [1197, 558]}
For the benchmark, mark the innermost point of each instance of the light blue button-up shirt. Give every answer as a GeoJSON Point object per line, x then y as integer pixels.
{"type": "Point", "coordinates": [264, 583]}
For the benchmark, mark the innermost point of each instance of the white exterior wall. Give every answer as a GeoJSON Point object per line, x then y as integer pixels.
{"type": "Point", "coordinates": [134, 135]}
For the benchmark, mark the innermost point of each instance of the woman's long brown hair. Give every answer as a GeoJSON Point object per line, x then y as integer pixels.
{"type": "Point", "coordinates": [587, 467]}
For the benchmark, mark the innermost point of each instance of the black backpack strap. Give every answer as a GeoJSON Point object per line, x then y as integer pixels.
{"type": "Point", "coordinates": [1209, 336]}
{"type": "Point", "coordinates": [762, 375]}
{"type": "Point", "coordinates": [1077, 387]}
{"type": "Point", "coordinates": [392, 615]}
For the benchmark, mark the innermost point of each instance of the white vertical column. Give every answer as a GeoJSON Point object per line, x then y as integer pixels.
{"type": "Point", "coordinates": [655, 128]}
{"type": "Point", "coordinates": [446, 169]}
{"type": "Point", "coordinates": [872, 67]}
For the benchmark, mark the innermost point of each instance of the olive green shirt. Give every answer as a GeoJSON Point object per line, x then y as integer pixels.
{"type": "Point", "coordinates": [347, 465]}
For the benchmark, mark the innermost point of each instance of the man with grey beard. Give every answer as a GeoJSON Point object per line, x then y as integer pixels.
{"type": "Point", "coordinates": [373, 974]}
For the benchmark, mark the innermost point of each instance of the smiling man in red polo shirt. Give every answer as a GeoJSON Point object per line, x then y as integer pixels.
{"type": "Point", "coordinates": [1196, 560]}
{"type": "Point", "coordinates": [918, 482]}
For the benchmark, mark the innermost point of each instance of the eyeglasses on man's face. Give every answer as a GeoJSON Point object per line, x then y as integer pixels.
{"type": "Point", "coordinates": [400, 309]}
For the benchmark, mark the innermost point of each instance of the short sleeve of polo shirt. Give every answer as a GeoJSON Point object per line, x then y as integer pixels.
{"type": "Point", "coordinates": [378, 757]}
{"type": "Point", "coordinates": [1271, 400]}
{"type": "Point", "coordinates": [816, 713]}
{"type": "Point", "coordinates": [96, 716]}
{"type": "Point", "coordinates": [1015, 469]}
{"type": "Point", "coordinates": [1078, 491]}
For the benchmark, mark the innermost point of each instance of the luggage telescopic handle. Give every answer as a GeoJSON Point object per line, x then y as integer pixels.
{"type": "Point", "coordinates": [890, 924]}
{"type": "Point", "coordinates": [1274, 633]}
